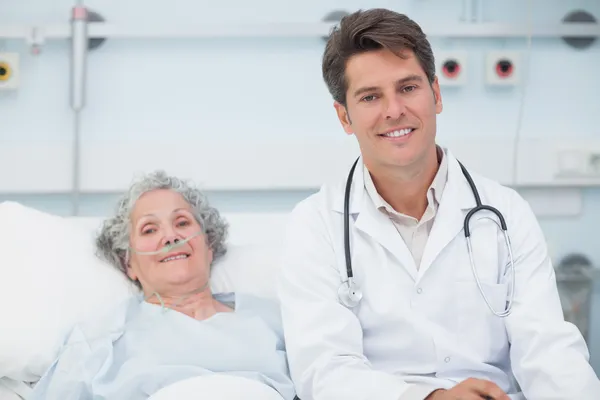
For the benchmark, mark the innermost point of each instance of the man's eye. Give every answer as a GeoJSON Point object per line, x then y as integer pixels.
{"type": "Point", "coordinates": [369, 98]}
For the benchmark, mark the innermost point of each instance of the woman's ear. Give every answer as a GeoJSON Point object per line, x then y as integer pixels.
{"type": "Point", "coordinates": [131, 272]}
{"type": "Point", "coordinates": [126, 263]}
{"type": "Point", "coordinates": [210, 256]}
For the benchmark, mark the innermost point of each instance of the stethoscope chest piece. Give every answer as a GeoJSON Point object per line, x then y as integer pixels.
{"type": "Point", "coordinates": [350, 294]}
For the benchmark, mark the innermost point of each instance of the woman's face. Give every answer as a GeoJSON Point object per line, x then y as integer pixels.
{"type": "Point", "coordinates": [161, 217]}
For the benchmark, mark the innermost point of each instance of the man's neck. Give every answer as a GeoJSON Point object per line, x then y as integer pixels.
{"type": "Point", "coordinates": [405, 189]}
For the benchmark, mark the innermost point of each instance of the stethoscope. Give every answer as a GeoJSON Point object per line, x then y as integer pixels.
{"type": "Point", "coordinates": [350, 293]}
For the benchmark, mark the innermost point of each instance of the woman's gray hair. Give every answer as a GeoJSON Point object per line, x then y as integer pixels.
{"type": "Point", "coordinates": [112, 242]}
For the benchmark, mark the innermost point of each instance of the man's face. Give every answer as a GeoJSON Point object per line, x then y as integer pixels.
{"type": "Point", "coordinates": [390, 107]}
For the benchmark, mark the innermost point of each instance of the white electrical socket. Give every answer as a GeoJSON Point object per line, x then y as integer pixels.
{"type": "Point", "coordinates": [451, 67]}
{"type": "Point", "coordinates": [572, 162]}
{"type": "Point", "coordinates": [582, 163]}
{"type": "Point", "coordinates": [503, 68]}
{"type": "Point", "coordinates": [9, 71]}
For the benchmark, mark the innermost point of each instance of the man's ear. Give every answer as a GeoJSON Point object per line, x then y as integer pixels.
{"type": "Point", "coordinates": [437, 93]}
{"type": "Point", "coordinates": [344, 117]}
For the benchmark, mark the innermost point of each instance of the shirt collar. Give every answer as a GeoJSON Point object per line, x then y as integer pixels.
{"type": "Point", "coordinates": [434, 193]}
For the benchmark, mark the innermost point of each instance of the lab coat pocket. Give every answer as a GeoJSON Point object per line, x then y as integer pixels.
{"type": "Point", "coordinates": [480, 332]}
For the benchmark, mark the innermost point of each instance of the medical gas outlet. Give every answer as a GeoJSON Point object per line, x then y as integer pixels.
{"type": "Point", "coordinates": [452, 68]}
{"type": "Point", "coordinates": [9, 71]}
{"type": "Point", "coordinates": [503, 68]}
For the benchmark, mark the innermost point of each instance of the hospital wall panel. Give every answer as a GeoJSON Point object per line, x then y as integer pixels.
{"type": "Point", "coordinates": [252, 122]}
{"type": "Point", "coordinates": [249, 117]}
{"type": "Point", "coordinates": [220, 166]}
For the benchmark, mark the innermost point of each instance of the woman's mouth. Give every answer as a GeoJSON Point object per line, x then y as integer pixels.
{"type": "Point", "coordinates": [179, 256]}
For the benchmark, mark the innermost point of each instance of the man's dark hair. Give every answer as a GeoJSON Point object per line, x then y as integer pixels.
{"type": "Point", "coordinates": [370, 30]}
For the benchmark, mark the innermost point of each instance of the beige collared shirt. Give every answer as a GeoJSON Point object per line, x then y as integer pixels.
{"type": "Point", "coordinates": [414, 232]}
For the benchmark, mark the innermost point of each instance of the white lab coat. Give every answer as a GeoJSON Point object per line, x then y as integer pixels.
{"type": "Point", "coordinates": [426, 325]}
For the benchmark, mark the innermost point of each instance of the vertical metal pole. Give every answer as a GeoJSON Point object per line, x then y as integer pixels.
{"type": "Point", "coordinates": [79, 48]}
{"type": "Point", "coordinates": [480, 13]}
{"type": "Point", "coordinates": [472, 10]}
{"type": "Point", "coordinates": [467, 10]}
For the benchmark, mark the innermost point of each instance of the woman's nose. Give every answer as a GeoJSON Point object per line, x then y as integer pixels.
{"type": "Point", "coordinates": [174, 240]}
{"type": "Point", "coordinates": [170, 239]}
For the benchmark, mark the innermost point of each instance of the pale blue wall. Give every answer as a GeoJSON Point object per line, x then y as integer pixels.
{"type": "Point", "coordinates": [149, 89]}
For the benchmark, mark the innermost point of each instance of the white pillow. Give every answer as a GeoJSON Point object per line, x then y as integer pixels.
{"type": "Point", "coordinates": [51, 279]}
{"type": "Point", "coordinates": [247, 268]}
{"type": "Point", "coordinates": [7, 394]}
{"type": "Point", "coordinates": [217, 387]}
{"type": "Point", "coordinates": [12, 390]}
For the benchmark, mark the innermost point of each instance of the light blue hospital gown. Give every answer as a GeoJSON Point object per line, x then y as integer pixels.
{"type": "Point", "coordinates": [147, 348]}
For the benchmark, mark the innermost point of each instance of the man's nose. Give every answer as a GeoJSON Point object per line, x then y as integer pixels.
{"type": "Point", "coordinates": [395, 109]}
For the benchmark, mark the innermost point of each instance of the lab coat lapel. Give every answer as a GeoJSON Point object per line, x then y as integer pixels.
{"type": "Point", "coordinates": [456, 200]}
{"type": "Point", "coordinates": [372, 221]}
{"type": "Point", "coordinates": [376, 224]}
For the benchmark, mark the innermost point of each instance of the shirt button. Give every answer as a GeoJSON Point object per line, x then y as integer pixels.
{"type": "Point", "coordinates": [419, 290]}
{"type": "Point", "coordinates": [447, 359]}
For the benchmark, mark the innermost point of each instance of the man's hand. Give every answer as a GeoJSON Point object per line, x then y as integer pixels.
{"type": "Point", "coordinates": [471, 389]}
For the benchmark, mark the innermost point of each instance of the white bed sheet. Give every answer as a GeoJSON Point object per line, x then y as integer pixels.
{"type": "Point", "coordinates": [262, 231]}
{"type": "Point", "coordinates": [217, 387]}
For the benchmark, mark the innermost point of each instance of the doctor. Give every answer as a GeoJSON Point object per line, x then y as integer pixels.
{"type": "Point", "coordinates": [420, 318]}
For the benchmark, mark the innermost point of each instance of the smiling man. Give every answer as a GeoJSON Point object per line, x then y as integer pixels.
{"type": "Point", "coordinates": [390, 288]}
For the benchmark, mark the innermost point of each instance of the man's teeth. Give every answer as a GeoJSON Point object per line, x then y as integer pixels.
{"type": "Point", "coordinates": [179, 257]}
{"type": "Point", "coordinates": [399, 133]}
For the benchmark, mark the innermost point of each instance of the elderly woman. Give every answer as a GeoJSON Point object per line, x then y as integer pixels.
{"type": "Point", "coordinates": [164, 238]}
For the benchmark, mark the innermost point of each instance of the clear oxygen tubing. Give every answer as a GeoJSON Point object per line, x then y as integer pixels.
{"type": "Point", "coordinates": [164, 250]}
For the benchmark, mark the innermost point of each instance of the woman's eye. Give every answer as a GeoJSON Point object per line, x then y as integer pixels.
{"type": "Point", "coordinates": [183, 223]}
{"type": "Point", "coordinates": [148, 231]}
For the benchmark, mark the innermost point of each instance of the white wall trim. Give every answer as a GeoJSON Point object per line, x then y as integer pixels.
{"type": "Point", "coordinates": [285, 163]}
{"type": "Point", "coordinates": [39, 33]}
{"type": "Point", "coordinates": [38, 167]}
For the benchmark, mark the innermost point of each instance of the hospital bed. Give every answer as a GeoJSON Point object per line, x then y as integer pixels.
{"type": "Point", "coordinates": [50, 279]}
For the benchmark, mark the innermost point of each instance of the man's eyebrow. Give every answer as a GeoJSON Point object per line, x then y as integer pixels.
{"type": "Point", "coordinates": [360, 91]}
{"type": "Point", "coordinates": [410, 78]}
